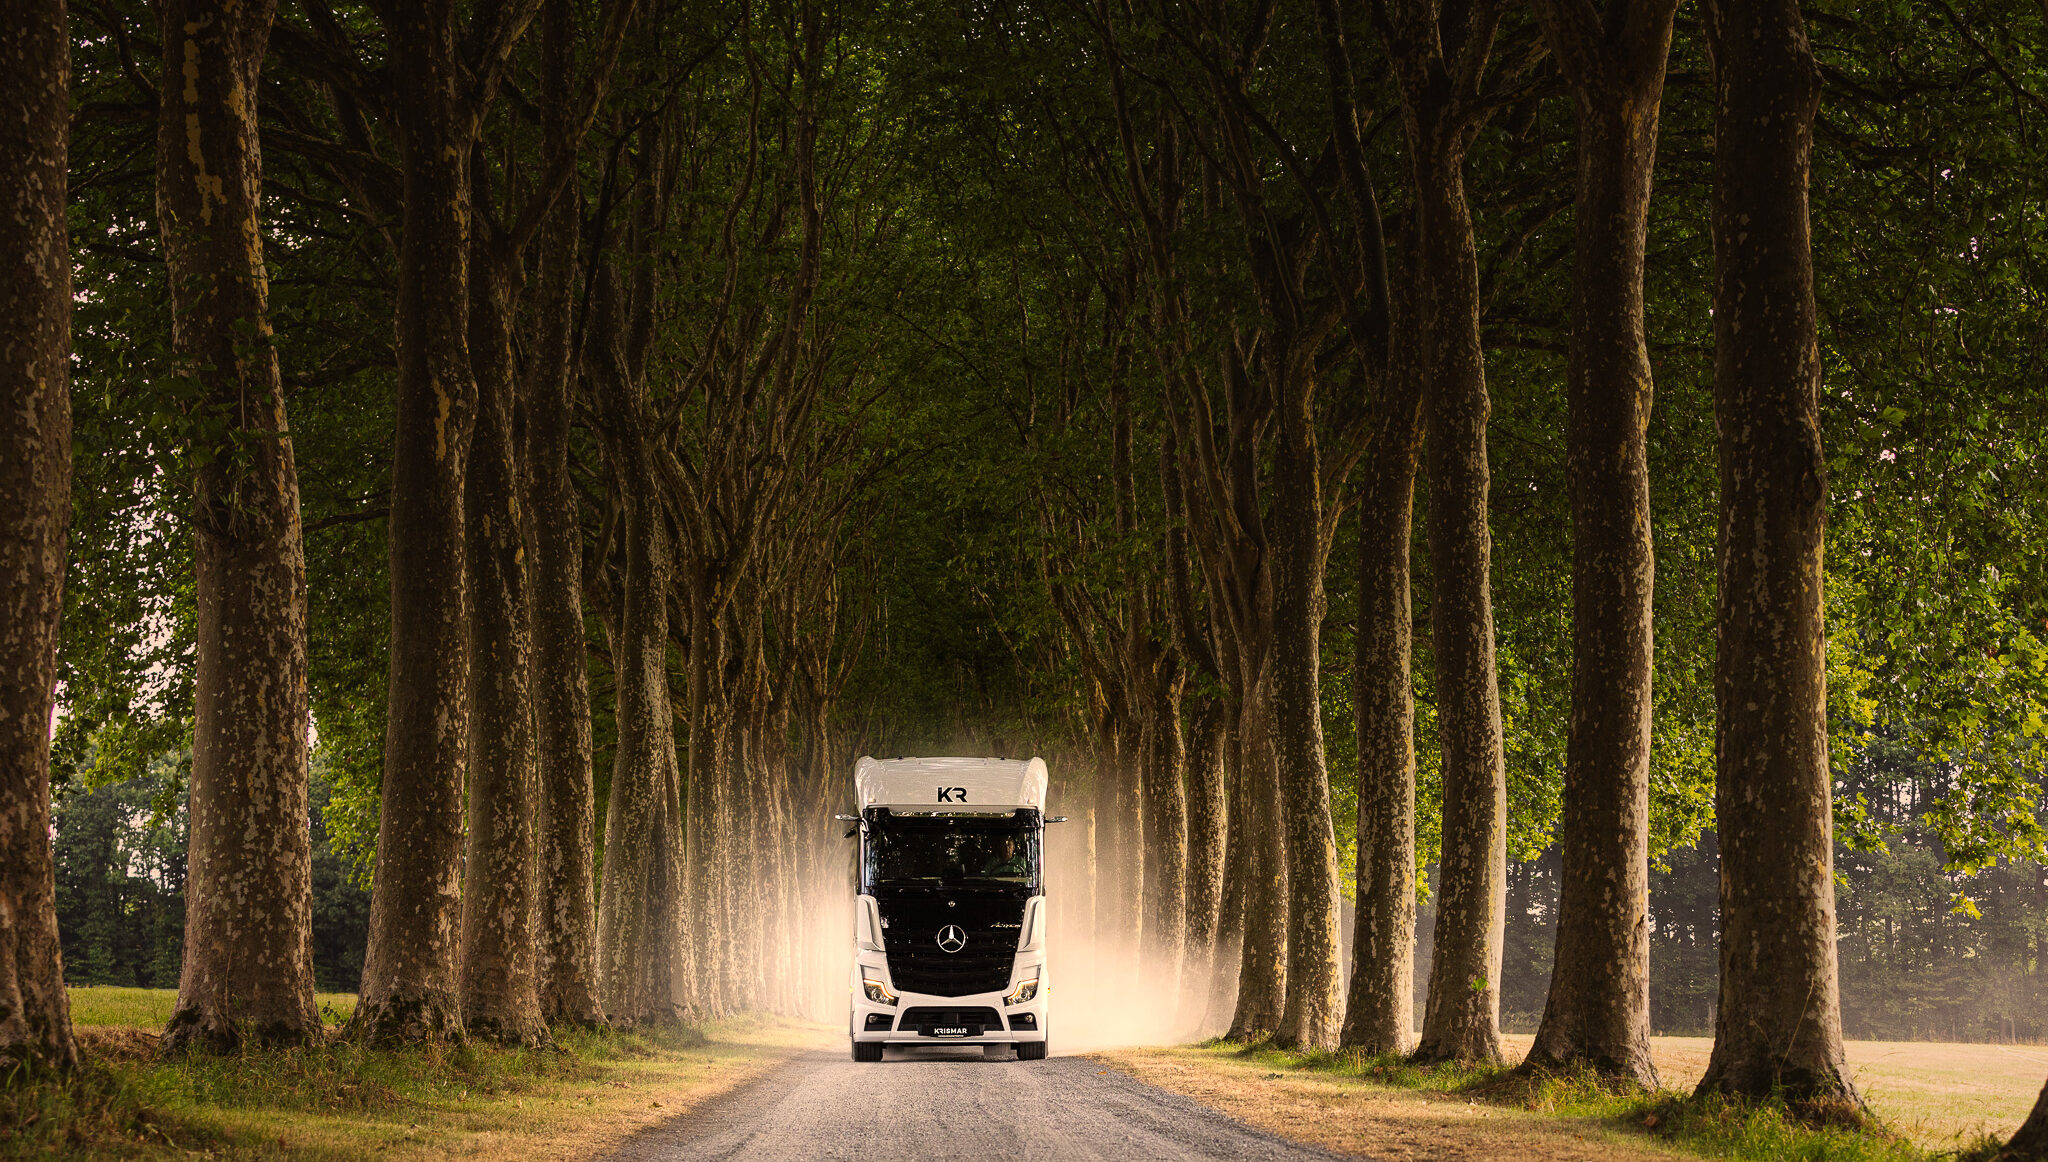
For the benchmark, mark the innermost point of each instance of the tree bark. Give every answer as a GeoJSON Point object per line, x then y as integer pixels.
{"type": "Point", "coordinates": [707, 737]}
{"type": "Point", "coordinates": [1165, 826]}
{"type": "Point", "coordinates": [561, 680]}
{"type": "Point", "coordinates": [1207, 840]}
{"type": "Point", "coordinates": [247, 973]}
{"type": "Point", "coordinates": [410, 972]}
{"type": "Point", "coordinates": [1598, 1013]}
{"type": "Point", "coordinates": [1778, 1028]}
{"type": "Point", "coordinates": [500, 973]}
{"type": "Point", "coordinates": [1461, 1020]}
{"type": "Point", "coordinates": [1439, 58]}
{"type": "Point", "coordinates": [1313, 1008]}
{"type": "Point", "coordinates": [641, 949]}
{"type": "Point", "coordinates": [1262, 956]}
{"type": "Point", "coordinates": [1379, 1013]}
{"type": "Point", "coordinates": [35, 513]}
{"type": "Point", "coordinates": [1230, 915]}
{"type": "Point", "coordinates": [2030, 1143]}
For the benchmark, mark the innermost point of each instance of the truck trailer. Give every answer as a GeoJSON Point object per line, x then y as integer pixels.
{"type": "Point", "coordinates": [949, 920]}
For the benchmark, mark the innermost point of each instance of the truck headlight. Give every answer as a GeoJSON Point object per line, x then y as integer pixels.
{"type": "Point", "coordinates": [1026, 990]}
{"type": "Point", "coordinates": [871, 983]}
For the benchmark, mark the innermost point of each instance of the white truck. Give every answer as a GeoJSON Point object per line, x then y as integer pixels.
{"type": "Point", "coordinates": [950, 921]}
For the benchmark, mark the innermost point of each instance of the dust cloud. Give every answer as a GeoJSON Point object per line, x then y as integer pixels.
{"type": "Point", "coordinates": [1105, 989]}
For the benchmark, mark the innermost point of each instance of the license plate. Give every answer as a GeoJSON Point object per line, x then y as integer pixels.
{"type": "Point", "coordinates": [953, 1031]}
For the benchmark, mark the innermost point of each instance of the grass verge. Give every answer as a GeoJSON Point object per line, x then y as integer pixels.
{"type": "Point", "coordinates": [1712, 1127]}
{"type": "Point", "coordinates": [343, 1101]}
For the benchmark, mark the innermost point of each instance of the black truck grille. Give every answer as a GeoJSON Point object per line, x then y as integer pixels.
{"type": "Point", "coordinates": [929, 1017]}
{"type": "Point", "coordinates": [986, 926]}
{"type": "Point", "coordinates": [949, 974]}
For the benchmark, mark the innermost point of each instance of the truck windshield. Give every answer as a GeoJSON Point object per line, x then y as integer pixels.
{"type": "Point", "coordinates": [942, 849]}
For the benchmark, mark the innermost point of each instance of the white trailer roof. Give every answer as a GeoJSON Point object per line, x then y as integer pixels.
{"type": "Point", "coordinates": [950, 784]}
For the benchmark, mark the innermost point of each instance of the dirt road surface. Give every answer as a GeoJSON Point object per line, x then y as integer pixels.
{"type": "Point", "coordinates": [950, 1103]}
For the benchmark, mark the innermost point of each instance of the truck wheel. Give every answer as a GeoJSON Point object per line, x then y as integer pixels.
{"type": "Point", "coordinates": [867, 1050]}
{"type": "Point", "coordinates": [1031, 1050]}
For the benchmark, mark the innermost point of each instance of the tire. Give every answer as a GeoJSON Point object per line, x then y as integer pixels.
{"type": "Point", "coordinates": [867, 1050]}
{"type": "Point", "coordinates": [1031, 1050]}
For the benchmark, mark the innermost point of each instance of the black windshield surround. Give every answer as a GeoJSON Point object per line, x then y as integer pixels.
{"type": "Point", "coordinates": [928, 872]}
{"type": "Point", "coordinates": [952, 850]}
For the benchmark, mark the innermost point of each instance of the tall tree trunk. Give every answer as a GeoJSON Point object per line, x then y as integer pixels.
{"type": "Point", "coordinates": [640, 901]}
{"type": "Point", "coordinates": [701, 803]}
{"type": "Point", "coordinates": [1255, 816]}
{"type": "Point", "coordinates": [1380, 1010]}
{"type": "Point", "coordinates": [1108, 841]}
{"type": "Point", "coordinates": [500, 972]}
{"type": "Point", "coordinates": [410, 972]}
{"type": "Point", "coordinates": [1461, 1020]}
{"type": "Point", "coordinates": [2030, 1143]}
{"type": "Point", "coordinates": [1230, 915]}
{"type": "Point", "coordinates": [35, 512]}
{"type": "Point", "coordinates": [1779, 1026]}
{"type": "Point", "coordinates": [561, 680]}
{"type": "Point", "coordinates": [1207, 840]}
{"type": "Point", "coordinates": [1598, 1013]}
{"type": "Point", "coordinates": [1314, 993]}
{"type": "Point", "coordinates": [1165, 833]}
{"type": "Point", "coordinates": [248, 959]}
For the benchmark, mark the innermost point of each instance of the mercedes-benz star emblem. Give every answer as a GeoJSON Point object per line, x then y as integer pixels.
{"type": "Point", "coordinates": [951, 938]}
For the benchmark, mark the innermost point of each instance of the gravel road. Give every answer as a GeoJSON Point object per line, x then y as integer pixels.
{"type": "Point", "coordinates": [949, 1103]}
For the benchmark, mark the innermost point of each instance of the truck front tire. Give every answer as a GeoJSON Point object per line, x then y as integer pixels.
{"type": "Point", "coordinates": [867, 1050]}
{"type": "Point", "coordinates": [1031, 1050]}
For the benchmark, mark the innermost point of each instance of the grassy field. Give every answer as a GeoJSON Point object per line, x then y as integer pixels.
{"type": "Point", "coordinates": [1940, 1095]}
{"type": "Point", "coordinates": [341, 1101]}
{"type": "Point", "coordinates": [96, 1006]}
{"type": "Point", "coordinates": [1934, 1101]}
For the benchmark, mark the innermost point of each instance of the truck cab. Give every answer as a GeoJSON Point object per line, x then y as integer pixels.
{"type": "Point", "coordinates": [950, 917]}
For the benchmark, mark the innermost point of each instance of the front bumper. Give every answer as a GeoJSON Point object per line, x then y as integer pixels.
{"type": "Point", "coordinates": [899, 1032]}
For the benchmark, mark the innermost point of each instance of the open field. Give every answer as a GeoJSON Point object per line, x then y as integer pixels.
{"type": "Point", "coordinates": [1940, 1094]}
{"type": "Point", "coordinates": [99, 1005]}
{"type": "Point", "coordinates": [344, 1102]}
{"type": "Point", "coordinates": [1940, 1098]}
{"type": "Point", "coordinates": [1354, 1116]}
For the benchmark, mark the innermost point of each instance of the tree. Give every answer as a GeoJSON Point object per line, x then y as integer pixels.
{"type": "Point", "coordinates": [643, 950]}
{"type": "Point", "coordinates": [1598, 1012]}
{"type": "Point", "coordinates": [1778, 1029]}
{"type": "Point", "coordinates": [501, 982]}
{"type": "Point", "coordinates": [248, 969]}
{"type": "Point", "coordinates": [560, 688]}
{"type": "Point", "coordinates": [35, 507]}
{"type": "Point", "coordinates": [1439, 54]}
{"type": "Point", "coordinates": [445, 76]}
{"type": "Point", "coordinates": [1379, 1009]}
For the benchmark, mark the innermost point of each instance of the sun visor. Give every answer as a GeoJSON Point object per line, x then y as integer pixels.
{"type": "Point", "coordinates": [955, 784]}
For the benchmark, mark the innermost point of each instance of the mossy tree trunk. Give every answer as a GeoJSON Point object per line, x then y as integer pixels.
{"type": "Point", "coordinates": [35, 514]}
{"type": "Point", "coordinates": [500, 891]}
{"type": "Point", "coordinates": [440, 92]}
{"type": "Point", "coordinates": [1379, 1013]}
{"type": "Point", "coordinates": [1440, 54]}
{"type": "Point", "coordinates": [1778, 1028]}
{"type": "Point", "coordinates": [247, 972]}
{"type": "Point", "coordinates": [1598, 1012]}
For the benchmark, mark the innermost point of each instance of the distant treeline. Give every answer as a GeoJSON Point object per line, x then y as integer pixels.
{"type": "Point", "coordinates": [1915, 967]}
{"type": "Point", "coordinates": [120, 854]}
